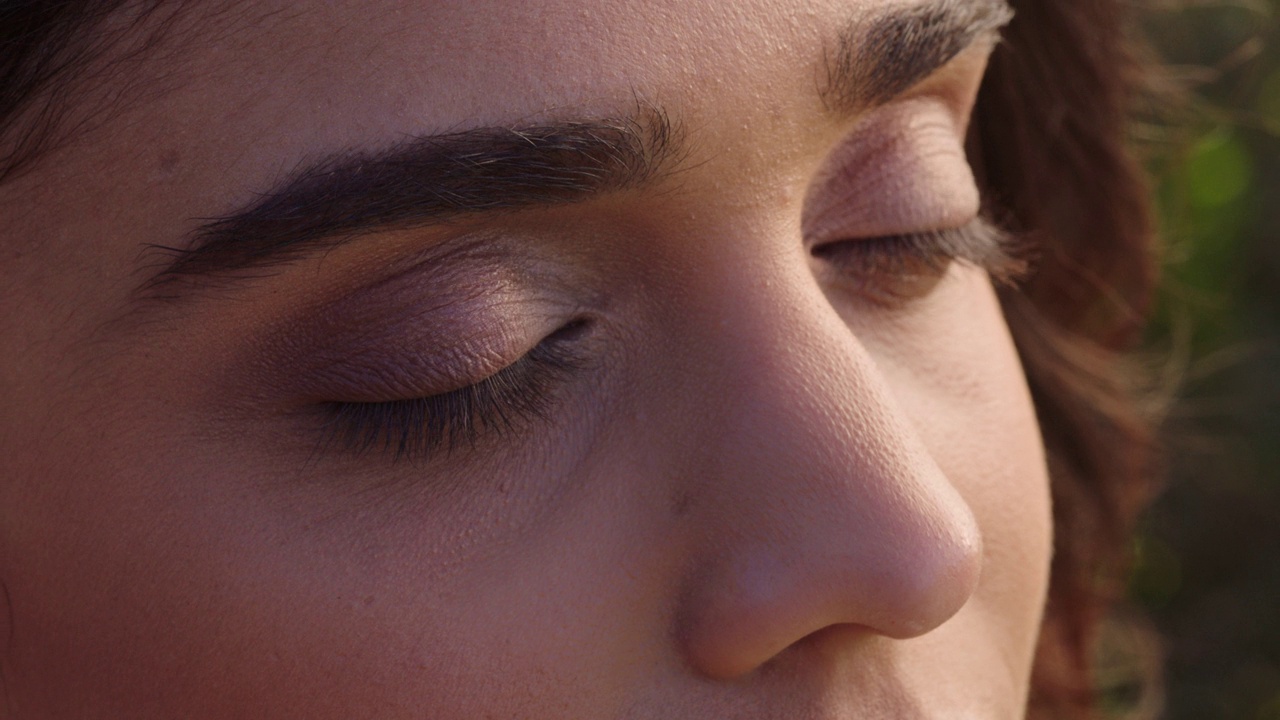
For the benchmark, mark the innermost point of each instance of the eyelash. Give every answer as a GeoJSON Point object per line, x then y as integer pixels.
{"type": "Point", "coordinates": [888, 270]}
{"type": "Point", "coordinates": [414, 428]}
{"type": "Point", "coordinates": [894, 269]}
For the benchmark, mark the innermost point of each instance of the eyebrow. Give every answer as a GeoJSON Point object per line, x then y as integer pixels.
{"type": "Point", "coordinates": [879, 58]}
{"type": "Point", "coordinates": [434, 179]}
{"type": "Point", "coordinates": [425, 180]}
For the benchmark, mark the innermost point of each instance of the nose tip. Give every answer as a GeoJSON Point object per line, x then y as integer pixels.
{"type": "Point", "coordinates": [930, 578]}
{"type": "Point", "coordinates": [897, 574]}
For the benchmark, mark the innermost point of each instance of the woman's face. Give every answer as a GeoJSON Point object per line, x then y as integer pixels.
{"type": "Point", "coordinates": [570, 359]}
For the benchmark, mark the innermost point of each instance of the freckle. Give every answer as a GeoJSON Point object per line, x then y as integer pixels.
{"type": "Point", "coordinates": [680, 503]}
{"type": "Point", "coordinates": [168, 163]}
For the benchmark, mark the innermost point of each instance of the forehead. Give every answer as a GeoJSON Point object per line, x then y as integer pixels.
{"type": "Point", "coordinates": [462, 60]}
{"type": "Point", "coordinates": [296, 80]}
{"type": "Point", "coordinates": [322, 75]}
{"type": "Point", "coordinates": [342, 72]}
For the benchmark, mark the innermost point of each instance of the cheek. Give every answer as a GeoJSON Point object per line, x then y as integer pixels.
{"type": "Point", "coordinates": [955, 370]}
{"type": "Point", "coordinates": [179, 579]}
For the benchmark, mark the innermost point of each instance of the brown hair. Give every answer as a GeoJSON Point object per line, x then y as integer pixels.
{"type": "Point", "coordinates": [1049, 148]}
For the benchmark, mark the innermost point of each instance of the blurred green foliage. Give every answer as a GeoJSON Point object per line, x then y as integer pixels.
{"type": "Point", "coordinates": [1208, 562]}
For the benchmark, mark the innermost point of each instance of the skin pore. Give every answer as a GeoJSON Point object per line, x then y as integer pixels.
{"type": "Point", "coordinates": [720, 446]}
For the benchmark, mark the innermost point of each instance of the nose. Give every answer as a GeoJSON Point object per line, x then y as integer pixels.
{"type": "Point", "coordinates": [821, 506]}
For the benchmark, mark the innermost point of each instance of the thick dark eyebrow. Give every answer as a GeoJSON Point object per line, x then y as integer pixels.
{"type": "Point", "coordinates": [878, 58]}
{"type": "Point", "coordinates": [433, 179]}
{"type": "Point", "coordinates": [425, 180]}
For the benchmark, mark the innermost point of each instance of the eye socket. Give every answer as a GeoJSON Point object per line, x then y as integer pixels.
{"type": "Point", "coordinates": [891, 270]}
{"type": "Point", "coordinates": [419, 428]}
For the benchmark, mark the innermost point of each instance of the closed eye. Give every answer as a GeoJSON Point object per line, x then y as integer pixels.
{"type": "Point", "coordinates": [422, 427]}
{"type": "Point", "coordinates": [893, 269]}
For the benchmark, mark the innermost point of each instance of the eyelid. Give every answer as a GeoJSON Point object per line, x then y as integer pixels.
{"type": "Point", "coordinates": [904, 168]}
{"type": "Point", "coordinates": [414, 334]}
{"type": "Point", "coordinates": [417, 427]}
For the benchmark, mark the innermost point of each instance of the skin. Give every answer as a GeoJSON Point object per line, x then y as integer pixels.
{"type": "Point", "coordinates": [764, 493]}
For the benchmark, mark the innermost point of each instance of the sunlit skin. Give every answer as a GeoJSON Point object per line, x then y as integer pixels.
{"type": "Point", "coordinates": [767, 488]}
